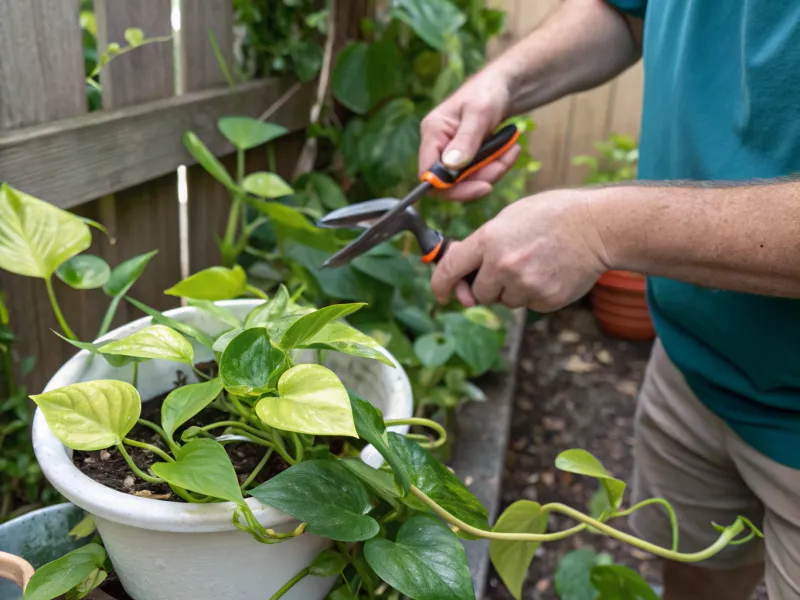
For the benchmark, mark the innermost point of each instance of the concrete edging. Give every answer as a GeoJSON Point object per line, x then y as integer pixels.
{"type": "Point", "coordinates": [482, 431]}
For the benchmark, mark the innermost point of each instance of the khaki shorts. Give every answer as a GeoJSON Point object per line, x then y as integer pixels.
{"type": "Point", "coordinates": [688, 455]}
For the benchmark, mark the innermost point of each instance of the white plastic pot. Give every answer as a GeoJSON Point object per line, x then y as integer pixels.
{"type": "Point", "coordinates": [165, 550]}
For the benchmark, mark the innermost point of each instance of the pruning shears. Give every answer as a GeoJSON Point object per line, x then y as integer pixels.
{"type": "Point", "coordinates": [385, 217]}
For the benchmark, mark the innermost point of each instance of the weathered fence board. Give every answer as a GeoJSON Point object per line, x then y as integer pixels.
{"type": "Point", "coordinates": [131, 145]}
{"type": "Point", "coordinates": [208, 201]}
{"type": "Point", "coordinates": [145, 215]}
{"type": "Point", "coordinates": [49, 34]}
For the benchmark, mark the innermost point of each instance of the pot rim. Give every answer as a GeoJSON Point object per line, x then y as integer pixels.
{"type": "Point", "coordinates": [55, 460]}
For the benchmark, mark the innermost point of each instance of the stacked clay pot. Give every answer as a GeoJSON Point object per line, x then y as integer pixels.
{"type": "Point", "coordinates": [620, 306]}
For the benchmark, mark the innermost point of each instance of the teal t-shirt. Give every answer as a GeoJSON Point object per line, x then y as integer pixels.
{"type": "Point", "coordinates": [722, 102]}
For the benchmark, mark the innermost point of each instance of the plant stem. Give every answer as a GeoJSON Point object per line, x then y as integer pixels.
{"type": "Point", "coordinates": [441, 441]}
{"type": "Point", "coordinates": [57, 310]}
{"type": "Point", "coordinates": [290, 584]}
{"type": "Point", "coordinates": [238, 425]}
{"type": "Point", "coordinates": [139, 473]}
{"type": "Point", "coordinates": [135, 373]}
{"type": "Point", "coordinates": [257, 292]}
{"type": "Point", "coordinates": [239, 166]}
{"type": "Point", "coordinates": [229, 241]}
{"type": "Point", "coordinates": [173, 447]}
{"type": "Point", "coordinates": [725, 537]}
{"type": "Point", "coordinates": [109, 316]}
{"type": "Point", "coordinates": [673, 519]}
{"type": "Point", "coordinates": [261, 464]}
{"type": "Point", "coordinates": [200, 374]}
{"type": "Point", "coordinates": [272, 164]}
{"type": "Point", "coordinates": [298, 446]}
{"type": "Point", "coordinates": [149, 447]}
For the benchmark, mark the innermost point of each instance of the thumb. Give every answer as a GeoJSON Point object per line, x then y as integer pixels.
{"type": "Point", "coordinates": [475, 125]}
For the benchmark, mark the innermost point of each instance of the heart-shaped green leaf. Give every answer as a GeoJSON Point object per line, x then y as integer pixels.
{"type": "Point", "coordinates": [347, 340]}
{"type": "Point", "coordinates": [214, 283]}
{"type": "Point", "coordinates": [162, 319]}
{"type": "Point", "coordinates": [219, 312]}
{"type": "Point", "coordinates": [365, 74]}
{"type": "Point", "coordinates": [434, 349]}
{"type": "Point", "coordinates": [36, 237]}
{"type": "Point", "coordinates": [435, 21]}
{"type": "Point", "coordinates": [246, 133]}
{"type": "Point", "coordinates": [84, 272]}
{"type": "Point", "coordinates": [273, 309]}
{"type": "Point", "coordinates": [266, 185]}
{"type": "Point", "coordinates": [111, 359]}
{"type": "Point", "coordinates": [248, 362]}
{"type": "Point", "coordinates": [382, 483]}
{"type": "Point", "coordinates": [156, 341]}
{"type": "Point", "coordinates": [207, 160]}
{"type": "Point", "coordinates": [512, 560]}
{"type": "Point", "coordinates": [185, 402]}
{"type": "Point", "coordinates": [370, 427]}
{"type": "Point", "coordinates": [92, 415]}
{"type": "Point", "coordinates": [125, 274]}
{"type": "Point", "coordinates": [425, 562]}
{"type": "Point", "coordinates": [324, 494]}
{"type": "Point", "coordinates": [307, 326]}
{"type": "Point", "coordinates": [581, 462]}
{"type": "Point", "coordinates": [221, 343]}
{"type": "Point", "coordinates": [203, 466]}
{"type": "Point", "coordinates": [322, 189]}
{"type": "Point", "coordinates": [61, 575]}
{"type": "Point", "coordinates": [572, 577]}
{"type": "Point", "coordinates": [341, 593]}
{"type": "Point", "coordinates": [476, 345]}
{"type": "Point", "coordinates": [618, 582]}
{"type": "Point", "coordinates": [438, 483]}
{"type": "Point", "coordinates": [311, 400]}
{"type": "Point", "coordinates": [327, 564]}
{"type": "Point", "coordinates": [134, 36]}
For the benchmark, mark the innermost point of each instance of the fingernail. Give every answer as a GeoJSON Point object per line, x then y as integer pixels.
{"type": "Point", "coordinates": [453, 158]}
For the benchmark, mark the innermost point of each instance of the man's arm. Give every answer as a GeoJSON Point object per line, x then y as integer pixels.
{"type": "Point", "coordinates": [582, 44]}
{"type": "Point", "coordinates": [547, 250]}
{"type": "Point", "coordinates": [737, 237]}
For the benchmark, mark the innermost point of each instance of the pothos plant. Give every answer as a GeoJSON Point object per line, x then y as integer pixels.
{"type": "Point", "coordinates": [395, 529]}
{"type": "Point", "coordinates": [451, 346]}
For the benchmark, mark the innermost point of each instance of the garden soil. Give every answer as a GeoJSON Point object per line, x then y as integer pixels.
{"type": "Point", "coordinates": [576, 389]}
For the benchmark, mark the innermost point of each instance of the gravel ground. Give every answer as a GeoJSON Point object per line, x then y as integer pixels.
{"type": "Point", "coordinates": [576, 389]}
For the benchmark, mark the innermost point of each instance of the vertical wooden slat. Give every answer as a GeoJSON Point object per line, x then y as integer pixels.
{"type": "Point", "coordinates": [588, 126]}
{"type": "Point", "coordinates": [41, 79]}
{"type": "Point", "coordinates": [208, 201]}
{"type": "Point", "coordinates": [144, 217]}
{"type": "Point", "coordinates": [626, 110]}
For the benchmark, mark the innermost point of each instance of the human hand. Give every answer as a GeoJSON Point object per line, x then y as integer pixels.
{"type": "Point", "coordinates": [542, 252]}
{"type": "Point", "coordinates": [455, 129]}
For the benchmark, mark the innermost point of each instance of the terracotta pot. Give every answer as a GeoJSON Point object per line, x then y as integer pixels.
{"type": "Point", "coordinates": [619, 304]}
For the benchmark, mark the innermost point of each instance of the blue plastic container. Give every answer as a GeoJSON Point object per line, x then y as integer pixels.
{"type": "Point", "coordinates": [39, 537]}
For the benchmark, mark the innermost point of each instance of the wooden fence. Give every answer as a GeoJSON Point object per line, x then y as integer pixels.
{"type": "Point", "coordinates": [571, 126]}
{"type": "Point", "coordinates": [118, 166]}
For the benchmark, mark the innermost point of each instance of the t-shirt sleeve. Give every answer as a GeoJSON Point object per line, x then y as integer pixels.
{"type": "Point", "coordinates": [636, 8]}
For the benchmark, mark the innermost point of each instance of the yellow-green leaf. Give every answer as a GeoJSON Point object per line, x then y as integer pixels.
{"type": "Point", "coordinates": [36, 237]}
{"type": "Point", "coordinates": [156, 341]}
{"type": "Point", "coordinates": [311, 400]}
{"type": "Point", "coordinates": [582, 462]}
{"type": "Point", "coordinates": [91, 415]}
{"type": "Point", "coordinates": [266, 185]}
{"type": "Point", "coordinates": [512, 560]}
{"type": "Point", "coordinates": [185, 402]}
{"type": "Point", "coordinates": [215, 283]}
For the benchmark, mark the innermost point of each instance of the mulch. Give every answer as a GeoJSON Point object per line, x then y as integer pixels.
{"type": "Point", "coordinates": [576, 389]}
